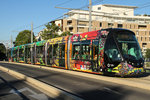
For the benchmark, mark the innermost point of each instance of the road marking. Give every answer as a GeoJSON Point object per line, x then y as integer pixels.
{"type": "Point", "coordinates": [34, 94]}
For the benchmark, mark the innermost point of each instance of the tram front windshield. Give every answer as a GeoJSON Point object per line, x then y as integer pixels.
{"type": "Point", "coordinates": [128, 45]}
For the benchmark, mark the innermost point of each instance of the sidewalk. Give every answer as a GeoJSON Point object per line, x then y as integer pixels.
{"type": "Point", "coordinates": [13, 89]}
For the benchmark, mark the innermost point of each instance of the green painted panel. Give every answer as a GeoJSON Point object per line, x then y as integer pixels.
{"type": "Point", "coordinates": [41, 43]}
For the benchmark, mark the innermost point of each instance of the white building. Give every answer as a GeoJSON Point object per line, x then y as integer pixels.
{"type": "Point", "coordinates": [108, 16]}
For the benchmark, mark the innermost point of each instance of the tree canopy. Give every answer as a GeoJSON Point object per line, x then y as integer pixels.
{"type": "Point", "coordinates": [147, 54]}
{"type": "Point", "coordinates": [24, 37]}
{"type": "Point", "coordinates": [66, 33]}
{"type": "Point", "coordinates": [2, 51]}
{"type": "Point", "coordinates": [2, 48]}
{"type": "Point", "coordinates": [51, 31]}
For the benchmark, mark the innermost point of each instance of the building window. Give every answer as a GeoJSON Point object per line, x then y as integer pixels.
{"type": "Point", "coordinates": [100, 24]}
{"type": "Point", "coordinates": [145, 38]}
{"type": "Point", "coordinates": [141, 26]}
{"type": "Point", "coordinates": [141, 38]}
{"type": "Point", "coordinates": [110, 25]}
{"type": "Point", "coordinates": [144, 44]}
{"type": "Point", "coordinates": [99, 8]}
{"type": "Point", "coordinates": [69, 22]}
{"type": "Point", "coordinates": [120, 26]}
{"type": "Point", "coordinates": [70, 29]}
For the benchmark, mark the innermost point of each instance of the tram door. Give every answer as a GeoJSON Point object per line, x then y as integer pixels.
{"type": "Point", "coordinates": [95, 55]}
{"type": "Point", "coordinates": [62, 55]}
{"type": "Point", "coordinates": [49, 55]}
{"type": "Point", "coordinates": [40, 55]}
{"type": "Point", "coordinates": [27, 54]}
{"type": "Point", "coordinates": [55, 57]}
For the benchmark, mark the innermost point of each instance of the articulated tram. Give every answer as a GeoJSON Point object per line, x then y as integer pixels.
{"type": "Point", "coordinates": [112, 51]}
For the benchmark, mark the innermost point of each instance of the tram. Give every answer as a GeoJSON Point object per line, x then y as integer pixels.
{"type": "Point", "coordinates": [106, 51]}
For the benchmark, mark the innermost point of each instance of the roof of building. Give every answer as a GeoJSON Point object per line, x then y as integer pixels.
{"type": "Point", "coordinates": [110, 5]}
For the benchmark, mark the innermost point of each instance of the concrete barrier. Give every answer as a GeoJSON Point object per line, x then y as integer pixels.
{"type": "Point", "coordinates": [45, 88]}
{"type": "Point", "coordinates": [122, 81]}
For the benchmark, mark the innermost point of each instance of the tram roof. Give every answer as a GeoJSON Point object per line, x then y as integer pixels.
{"type": "Point", "coordinates": [41, 43]}
{"type": "Point", "coordinates": [57, 40]}
{"type": "Point", "coordinates": [85, 36]}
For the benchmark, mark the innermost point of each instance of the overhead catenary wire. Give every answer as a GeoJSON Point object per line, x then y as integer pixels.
{"type": "Point", "coordinates": [64, 2]}
{"type": "Point", "coordinates": [93, 3]}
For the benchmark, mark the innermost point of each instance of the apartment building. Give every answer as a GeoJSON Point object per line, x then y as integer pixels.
{"type": "Point", "coordinates": [108, 16]}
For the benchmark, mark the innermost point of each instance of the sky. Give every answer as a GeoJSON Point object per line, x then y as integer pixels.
{"type": "Point", "coordinates": [17, 15]}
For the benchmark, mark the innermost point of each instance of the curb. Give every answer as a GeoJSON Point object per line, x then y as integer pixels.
{"type": "Point", "coordinates": [47, 89]}
{"type": "Point", "coordinates": [121, 81]}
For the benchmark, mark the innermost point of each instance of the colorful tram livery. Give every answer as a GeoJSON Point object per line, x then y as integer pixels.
{"type": "Point", "coordinates": [112, 51]}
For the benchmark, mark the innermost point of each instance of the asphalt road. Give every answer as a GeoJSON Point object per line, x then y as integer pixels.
{"type": "Point", "coordinates": [85, 88]}
{"type": "Point", "coordinates": [13, 89]}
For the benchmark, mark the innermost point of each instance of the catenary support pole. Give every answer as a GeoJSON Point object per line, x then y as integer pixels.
{"type": "Point", "coordinates": [31, 42]}
{"type": "Point", "coordinates": [90, 17]}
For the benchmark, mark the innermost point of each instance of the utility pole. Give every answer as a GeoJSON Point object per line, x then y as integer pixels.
{"type": "Point", "coordinates": [31, 42]}
{"type": "Point", "coordinates": [90, 11]}
{"type": "Point", "coordinates": [11, 41]}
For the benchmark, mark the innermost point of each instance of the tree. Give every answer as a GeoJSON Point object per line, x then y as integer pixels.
{"type": "Point", "coordinates": [51, 31]}
{"type": "Point", "coordinates": [147, 54]}
{"type": "Point", "coordinates": [2, 51]}
{"type": "Point", "coordinates": [2, 48]}
{"type": "Point", "coordinates": [66, 33]}
{"type": "Point", "coordinates": [24, 37]}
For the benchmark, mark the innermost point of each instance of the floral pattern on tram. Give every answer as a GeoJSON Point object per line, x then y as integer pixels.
{"type": "Point", "coordinates": [127, 69]}
{"type": "Point", "coordinates": [56, 40]}
{"type": "Point", "coordinates": [102, 35]}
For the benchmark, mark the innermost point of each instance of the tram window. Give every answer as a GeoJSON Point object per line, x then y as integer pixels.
{"type": "Point", "coordinates": [21, 52]}
{"type": "Point", "coordinates": [55, 51]}
{"type": "Point", "coordinates": [95, 49]}
{"type": "Point", "coordinates": [76, 50]}
{"type": "Point", "coordinates": [15, 53]}
{"type": "Point", "coordinates": [28, 52]}
{"type": "Point", "coordinates": [85, 52]}
{"type": "Point", "coordinates": [49, 51]}
{"type": "Point", "coordinates": [62, 51]}
{"type": "Point", "coordinates": [40, 51]}
{"type": "Point", "coordinates": [111, 50]}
